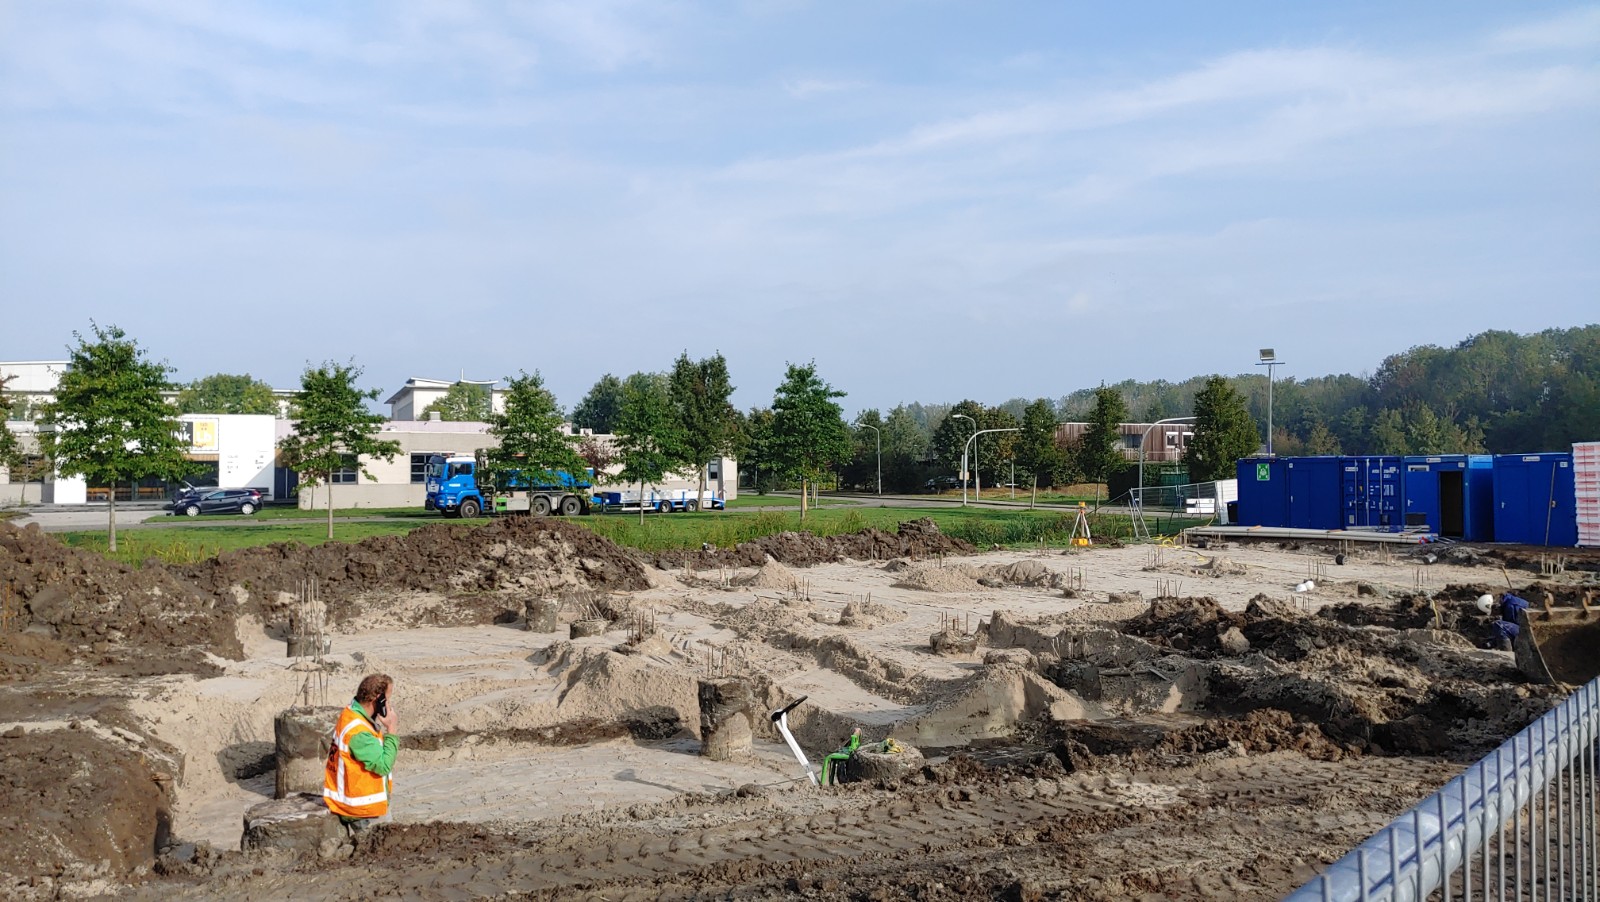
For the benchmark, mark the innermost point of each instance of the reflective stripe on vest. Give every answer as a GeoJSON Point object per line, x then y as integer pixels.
{"type": "Point", "coordinates": [348, 787]}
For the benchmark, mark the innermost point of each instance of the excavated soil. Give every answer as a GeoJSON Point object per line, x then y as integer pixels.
{"type": "Point", "coordinates": [1116, 742]}
{"type": "Point", "coordinates": [916, 539]}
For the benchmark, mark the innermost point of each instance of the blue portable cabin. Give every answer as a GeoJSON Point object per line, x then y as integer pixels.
{"type": "Point", "coordinates": [1314, 492]}
{"type": "Point", "coordinates": [1373, 493]}
{"type": "Point", "coordinates": [1263, 492]}
{"type": "Point", "coordinates": [1536, 499]}
{"type": "Point", "coordinates": [1451, 495]}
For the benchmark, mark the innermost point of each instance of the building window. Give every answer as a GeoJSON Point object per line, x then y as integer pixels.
{"type": "Point", "coordinates": [347, 473]}
{"type": "Point", "coordinates": [419, 466]}
{"type": "Point", "coordinates": [714, 471]}
{"type": "Point", "coordinates": [1173, 438]}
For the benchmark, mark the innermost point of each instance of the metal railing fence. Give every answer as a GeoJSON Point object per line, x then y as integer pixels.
{"type": "Point", "coordinates": [1520, 824]}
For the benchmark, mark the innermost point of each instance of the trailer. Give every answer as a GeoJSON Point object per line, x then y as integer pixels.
{"type": "Point", "coordinates": [462, 486]}
{"type": "Point", "coordinates": [658, 500]}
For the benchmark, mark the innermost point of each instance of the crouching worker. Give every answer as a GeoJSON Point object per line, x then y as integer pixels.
{"type": "Point", "coordinates": [1503, 630]}
{"type": "Point", "coordinates": [356, 783]}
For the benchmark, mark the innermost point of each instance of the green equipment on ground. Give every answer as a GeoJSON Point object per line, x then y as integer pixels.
{"type": "Point", "coordinates": [834, 762]}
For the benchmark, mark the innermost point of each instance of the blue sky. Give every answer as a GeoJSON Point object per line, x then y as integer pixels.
{"type": "Point", "coordinates": [932, 200]}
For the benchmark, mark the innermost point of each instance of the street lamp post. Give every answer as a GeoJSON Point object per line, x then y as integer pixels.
{"type": "Point", "coordinates": [963, 473]}
{"type": "Point", "coordinates": [1269, 359]}
{"type": "Point", "coordinates": [975, 454]}
{"type": "Point", "coordinates": [1143, 440]}
{"type": "Point", "coordinates": [879, 437]}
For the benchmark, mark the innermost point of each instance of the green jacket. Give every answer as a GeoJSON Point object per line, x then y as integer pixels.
{"type": "Point", "coordinates": [374, 754]}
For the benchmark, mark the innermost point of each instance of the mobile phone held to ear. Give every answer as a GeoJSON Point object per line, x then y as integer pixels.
{"type": "Point", "coordinates": [381, 709]}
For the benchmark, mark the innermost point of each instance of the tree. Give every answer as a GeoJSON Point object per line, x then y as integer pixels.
{"type": "Point", "coordinates": [333, 430]}
{"type": "Point", "coordinates": [648, 440]}
{"type": "Point", "coordinates": [950, 438]}
{"type": "Point", "coordinates": [758, 449]}
{"type": "Point", "coordinates": [225, 393]}
{"type": "Point", "coordinates": [992, 453]}
{"type": "Point", "coordinates": [1224, 432]}
{"type": "Point", "coordinates": [708, 423]}
{"type": "Point", "coordinates": [1098, 454]}
{"type": "Point", "coordinates": [531, 436]}
{"type": "Point", "coordinates": [1037, 452]}
{"type": "Point", "coordinates": [11, 456]}
{"type": "Point", "coordinates": [808, 431]}
{"type": "Point", "coordinates": [111, 420]}
{"type": "Point", "coordinates": [600, 407]}
{"type": "Point", "coordinates": [905, 447]}
{"type": "Point", "coordinates": [1321, 441]}
{"type": "Point", "coordinates": [464, 402]}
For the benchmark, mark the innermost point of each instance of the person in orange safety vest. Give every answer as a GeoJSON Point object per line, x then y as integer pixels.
{"type": "Point", "coordinates": [356, 783]}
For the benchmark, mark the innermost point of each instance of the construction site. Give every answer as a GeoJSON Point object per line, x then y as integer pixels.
{"type": "Point", "coordinates": [580, 720]}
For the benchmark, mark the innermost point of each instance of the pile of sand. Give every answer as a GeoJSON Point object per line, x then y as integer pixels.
{"type": "Point", "coordinates": [771, 575]}
{"type": "Point", "coordinates": [933, 577]}
{"type": "Point", "coordinates": [867, 614]}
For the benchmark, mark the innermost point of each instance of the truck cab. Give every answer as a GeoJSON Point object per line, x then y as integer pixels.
{"type": "Point", "coordinates": [452, 486]}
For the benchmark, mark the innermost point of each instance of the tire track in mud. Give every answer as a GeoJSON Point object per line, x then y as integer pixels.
{"type": "Point", "coordinates": [1255, 823]}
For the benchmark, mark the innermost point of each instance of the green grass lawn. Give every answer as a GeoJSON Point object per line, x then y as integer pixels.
{"type": "Point", "coordinates": [748, 501]}
{"type": "Point", "coordinates": [276, 512]}
{"type": "Point", "coordinates": [982, 527]}
{"type": "Point", "coordinates": [187, 544]}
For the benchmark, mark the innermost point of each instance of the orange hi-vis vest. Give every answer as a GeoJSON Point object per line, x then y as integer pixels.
{"type": "Point", "coordinates": [347, 786]}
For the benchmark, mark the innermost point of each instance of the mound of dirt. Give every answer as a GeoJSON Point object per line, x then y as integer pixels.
{"type": "Point", "coordinates": [914, 539]}
{"type": "Point", "coordinates": [868, 614]}
{"type": "Point", "coordinates": [1185, 624]}
{"type": "Point", "coordinates": [82, 804]}
{"type": "Point", "coordinates": [512, 555]}
{"type": "Point", "coordinates": [771, 575]}
{"type": "Point", "coordinates": [23, 655]}
{"type": "Point", "coordinates": [86, 601]}
{"type": "Point", "coordinates": [940, 578]}
{"type": "Point", "coordinates": [1409, 612]}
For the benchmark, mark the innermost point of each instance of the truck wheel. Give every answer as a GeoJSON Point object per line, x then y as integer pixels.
{"type": "Point", "coordinates": [541, 506]}
{"type": "Point", "coordinates": [663, 507]}
{"type": "Point", "coordinates": [469, 509]}
{"type": "Point", "coordinates": [691, 506]}
{"type": "Point", "coordinates": [570, 506]}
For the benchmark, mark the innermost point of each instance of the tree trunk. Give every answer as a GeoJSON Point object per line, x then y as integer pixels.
{"type": "Point", "coordinates": [700, 499]}
{"type": "Point", "coordinates": [641, 502]}
{"type": "Point", "coordinates": [330, 506]}
{"type": "Point", "coordinates": [1034, 499]}
{"type": "Point", "coordinates": [804, 497]}
{"type": "Point", "coordinates": [111, 510]}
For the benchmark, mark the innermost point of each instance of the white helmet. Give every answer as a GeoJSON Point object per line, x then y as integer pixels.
{"type": "Point", "coordinates": [1486, 603]}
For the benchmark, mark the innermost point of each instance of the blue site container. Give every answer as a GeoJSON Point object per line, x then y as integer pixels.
{"type": "Point", "coordinates": [1263, 492]}
{"type": "Point", "coordinates": [1373, 493]}
{"type": "Point", "coordinates": [1535, 499]}
{"type": "Point", "coordinates": [1451, 495]}
{"type": "Point", "coordinates": [1314, 492]}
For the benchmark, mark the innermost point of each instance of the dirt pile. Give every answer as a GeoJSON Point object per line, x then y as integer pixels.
{"type": "Point", "coordinates": [914, 539]}
{"type": "Point", "coordinates": [84, 803]}
{"type": "Point", "coordinates": [123, 616]}
{"type": "Point", "coordinates": [866, 614]}
{"type": "Point", "coordinates": [771, 575]}
{"type": "Point", "coordinates": [513, 555]}
{"type": "Point", "coordinates": [941, 577]}
{"type": "Point", "coordinates": [1186, 624]}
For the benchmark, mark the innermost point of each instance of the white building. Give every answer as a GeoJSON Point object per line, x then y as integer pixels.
{"type": "Point", "coordinates": [414, 397]}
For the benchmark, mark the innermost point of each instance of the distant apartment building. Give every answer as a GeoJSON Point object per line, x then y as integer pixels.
{"type": "Point", "coordinates": [1162, 443]}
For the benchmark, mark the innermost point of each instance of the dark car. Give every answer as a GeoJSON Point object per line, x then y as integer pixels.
{"type": "Point", "coordinates": [194, 502]}
{"type": "Point", "coordinates": [941, 484]}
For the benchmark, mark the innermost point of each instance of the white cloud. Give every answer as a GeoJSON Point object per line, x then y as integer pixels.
{"type": "Point", "coordinates": [1574, 29]}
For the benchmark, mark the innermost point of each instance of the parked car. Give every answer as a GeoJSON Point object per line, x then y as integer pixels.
{"type": "Point", "coordinates": [194, 502]}
{"type": "Point", "coordinates": [941, 484]}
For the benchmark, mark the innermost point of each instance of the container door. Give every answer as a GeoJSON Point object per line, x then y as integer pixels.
{"type": "Point", "coordinates": [1452, 504]}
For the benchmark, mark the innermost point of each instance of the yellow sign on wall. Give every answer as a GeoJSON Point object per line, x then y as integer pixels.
{"type": "Point", "coordinates": [199, 435]}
